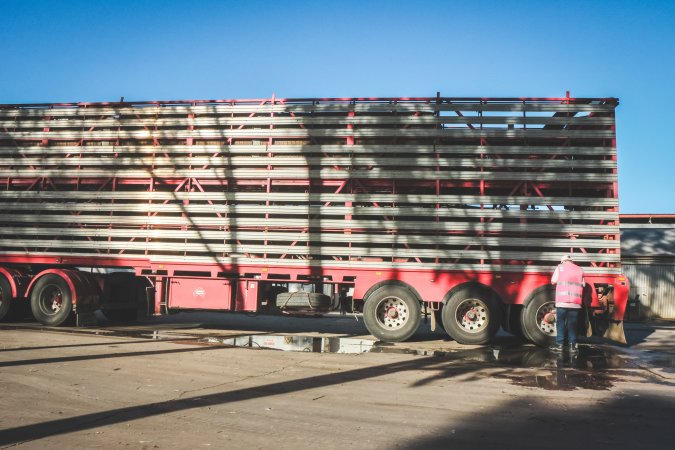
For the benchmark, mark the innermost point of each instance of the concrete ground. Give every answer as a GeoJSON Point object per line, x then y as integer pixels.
{"type": "Point", "coordinates": [161, 385]}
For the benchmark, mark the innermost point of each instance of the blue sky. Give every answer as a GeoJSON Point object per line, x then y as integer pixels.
{"type": "Point", "coordinates": [147, 50]}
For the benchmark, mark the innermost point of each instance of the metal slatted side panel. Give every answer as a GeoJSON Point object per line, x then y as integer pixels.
{"type": "Point", "coordinates": [653, 285]}
{"type": "Point", "coordinates": [495, 184]}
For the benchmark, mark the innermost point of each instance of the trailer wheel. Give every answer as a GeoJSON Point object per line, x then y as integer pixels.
{"type": "Point", "coordinates": [538, 317]}
{"type": "Point", "coordinates": [51, 300]}
{"type": "Point", "coordinates": [392, 313]}
{"type": "Point", "coordinates": [472, 315]}
{"type": "Point", "coordinates": [5, 297]}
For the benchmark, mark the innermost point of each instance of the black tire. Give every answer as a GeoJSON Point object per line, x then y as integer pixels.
{"type": "Point", "coordinates": [392, 313]}
{"type": "Point", "coordinates": [472, 315]}
{"type": "Point", "coordinates": [303, 301]}
{"type": "Point", "coordinates": [51, 301]}
{"type": "Point", "coordinates": [5, 297]}
{"type": "Point", "coordinates": [536, 321]}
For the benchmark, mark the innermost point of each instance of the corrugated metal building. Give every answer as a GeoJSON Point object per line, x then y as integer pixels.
{"type": "Point", "coordinates": [648, 260]}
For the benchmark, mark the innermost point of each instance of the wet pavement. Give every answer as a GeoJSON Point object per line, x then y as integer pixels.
{"type": "Point", "coordinates": [225, 381]}
{"type": "Point", "coordinates": [598, 364]}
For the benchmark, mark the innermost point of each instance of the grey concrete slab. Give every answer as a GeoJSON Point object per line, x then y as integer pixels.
{"type": "Point", "coordinates": [65, 390]}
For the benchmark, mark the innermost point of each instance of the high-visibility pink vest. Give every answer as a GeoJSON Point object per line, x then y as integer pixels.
{"type": "Point", "coordinates": [569, 287]}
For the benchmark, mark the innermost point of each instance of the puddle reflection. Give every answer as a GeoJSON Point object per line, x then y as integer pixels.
{"type": "Point", "coordinates": [297, 343]}
{"type": "Point", "coordinates": [591, 368]}
{"type": "Point", "coordinates": [564, 380]}
{"type": "Point", "coordinates": [588, 357]}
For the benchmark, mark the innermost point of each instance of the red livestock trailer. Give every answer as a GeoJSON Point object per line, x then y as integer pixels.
{"type": "Point", "coordinates": [457, 209]}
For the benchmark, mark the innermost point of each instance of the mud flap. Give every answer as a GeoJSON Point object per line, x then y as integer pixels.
{"type": "Point", "coordinates": [615, 332]}
{"type": "Point", "coordinates": [433, 320]}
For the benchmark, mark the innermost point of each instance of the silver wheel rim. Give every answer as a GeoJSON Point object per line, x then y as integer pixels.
{"type": "Point", "coordinates": [51, 300]}
{"type": "Point", "coordinates": [546, 319]}
{"type": "Point", "coordinates": [472, 315]}
{"type": "Point", "coordinates": [392, 313]}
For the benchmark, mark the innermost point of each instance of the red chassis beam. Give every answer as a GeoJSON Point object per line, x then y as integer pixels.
{"type": "Point", "coordinates": [431, 285]}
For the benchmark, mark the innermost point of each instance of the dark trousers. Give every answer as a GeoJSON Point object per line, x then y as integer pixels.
{"type": "Point", "coordinates": [566, 324]}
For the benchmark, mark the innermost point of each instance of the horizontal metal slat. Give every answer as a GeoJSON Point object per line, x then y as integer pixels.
{"type": "Point", "coordinates": [82, 122]}
{"type": "Point", "coordinates": [314, 210]}
{"type": "Point", "coordinates": [339, 107]}
{"type": "Point", "coordinates": [234, 161]}
{"type": "Point", "coordinates": [364, 252]}
{"type": "Point", "coordinates": [46, 151]}
{"type": "Point", "coordinates": [241, 263]}
{"type": "Point", "coordinates": [296, 173]}
{"type": "Point", "coordinates": [310, 237]}
{"type": "Point", "coordinates": [298, 223]}
{"type": "Point", "coordinates": [303, 133]}
{"type": "Point", "coordinates": [310, 197]}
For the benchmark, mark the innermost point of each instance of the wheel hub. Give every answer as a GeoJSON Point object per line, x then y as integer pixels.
{"type": "Point", "coordinates": [472, 315]}
{"type": "Point", "coordinates": [546, 319]}
{"type": "Point", "coordinates": [392, 313]}
{"type": "Point", "coordinates": [57, 301]}
{"type": "Point", "coordinates": [51, 300]}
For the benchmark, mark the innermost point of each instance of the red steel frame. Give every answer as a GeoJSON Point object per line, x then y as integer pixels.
{"type": "Point", "coordinates": [431, 285]}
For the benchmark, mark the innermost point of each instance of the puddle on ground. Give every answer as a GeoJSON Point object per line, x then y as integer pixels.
{"type": "Point", "coordinates": [592, 367]}
{"type": "Point", "coordinates": [588, 357]}
{"type": "Point", "coordinates": [564, 380]}
{"type": "Point", "coordinates": [296, 343]}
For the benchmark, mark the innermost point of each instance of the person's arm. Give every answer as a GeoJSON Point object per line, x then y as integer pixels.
{"type": "Point", "coordinates": [554, 278]}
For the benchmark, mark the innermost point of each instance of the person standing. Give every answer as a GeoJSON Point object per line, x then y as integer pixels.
{"type": "Point", "coordinates": [569, 286]}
